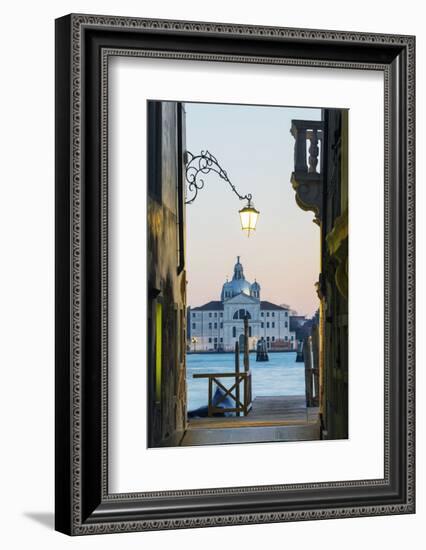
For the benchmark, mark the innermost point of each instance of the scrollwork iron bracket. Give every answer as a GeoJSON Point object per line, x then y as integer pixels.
{"type": "Point", "coordinates": [199, 165]}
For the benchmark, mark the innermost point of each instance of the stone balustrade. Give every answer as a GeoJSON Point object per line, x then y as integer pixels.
{"type": "Point", "coordinates": [307, 175]}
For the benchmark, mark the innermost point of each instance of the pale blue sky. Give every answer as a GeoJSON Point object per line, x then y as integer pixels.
{"type": "Point", "coordinates": [254, 145]}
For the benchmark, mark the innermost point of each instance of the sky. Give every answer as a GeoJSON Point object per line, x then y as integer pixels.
{"type": "Point", "coordinates": [254, 145]}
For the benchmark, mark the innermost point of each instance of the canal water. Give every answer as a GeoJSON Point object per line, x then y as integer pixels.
{"type": "Point", "coordinates": [281, 375]}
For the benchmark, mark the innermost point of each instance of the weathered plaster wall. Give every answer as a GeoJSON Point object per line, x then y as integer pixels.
{"type": "Point", "coordinates": [166, 282]}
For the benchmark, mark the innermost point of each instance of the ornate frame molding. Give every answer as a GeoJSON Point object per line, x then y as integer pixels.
{"type": "Point", "coordinates": [85, 508]}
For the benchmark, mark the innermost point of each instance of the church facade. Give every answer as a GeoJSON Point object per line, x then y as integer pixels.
{"type": "Point", "coordinates": [218, 324]}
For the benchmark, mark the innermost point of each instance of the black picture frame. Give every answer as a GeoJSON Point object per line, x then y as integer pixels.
{"type": "Point", "coordinates": [83, 504]}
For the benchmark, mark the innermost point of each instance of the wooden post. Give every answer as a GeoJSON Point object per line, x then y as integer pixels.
{"type": "Point", "coordinates": [315, 356]}
{"type": "Point", "coordinates": [237, 375]}
{"type": "Point", "coordinates": [210, 402]}
{"type": "Point", "coordinates": [308, 370]}
{"type": "Point", "coordinates": [246, 345]}
{"type": "Point", "coordinates": [246, 362]}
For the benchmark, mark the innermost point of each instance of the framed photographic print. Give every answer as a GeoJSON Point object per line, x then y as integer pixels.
{"type": "Point", "coordinates": [234, 274]}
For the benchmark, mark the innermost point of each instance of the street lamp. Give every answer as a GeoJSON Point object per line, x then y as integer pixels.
{"type": "Point", "coordinates": [248, 216]}
{"type": "Point", "coordinates": [204, 163]}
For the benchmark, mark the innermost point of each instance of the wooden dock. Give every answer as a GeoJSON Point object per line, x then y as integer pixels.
{"type": "Point", "coordinates": [273, 418]}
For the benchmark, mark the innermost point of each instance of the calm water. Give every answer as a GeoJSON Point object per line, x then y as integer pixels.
{"type": "Point", "coordinates": [281, 375]}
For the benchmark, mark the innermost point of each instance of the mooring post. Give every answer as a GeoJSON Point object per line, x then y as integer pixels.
{"type": "Point", "coordinates": [246, 345]}
{"type": "Point", "coordinates": [307, 356]}
{"type": "Point", "coordinates": [237, 376]}
{"type": "Point", "coordinates": [246, 364]}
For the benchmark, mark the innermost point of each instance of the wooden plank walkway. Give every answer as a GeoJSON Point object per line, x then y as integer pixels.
{"type": "Point", "coordinates": [282, 418]}
{"type": "Point", "coordinates": [274, 410]}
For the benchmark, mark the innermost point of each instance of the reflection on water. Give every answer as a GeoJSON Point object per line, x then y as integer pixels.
{"type": "Point", "coordinates": [281, 375]}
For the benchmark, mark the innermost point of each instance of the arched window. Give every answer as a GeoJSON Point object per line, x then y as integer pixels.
{"type": "Point", "coordinates": [234, 332]}
{"type": "Point", "coordinates": [242, 314]}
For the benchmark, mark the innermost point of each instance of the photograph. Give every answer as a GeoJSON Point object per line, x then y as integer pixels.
{"type": "Point", "coordinates": [223, 354]}
{"type": "Point", "coordinates": [247, 255]}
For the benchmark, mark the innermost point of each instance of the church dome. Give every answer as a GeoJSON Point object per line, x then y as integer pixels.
{"type": "Point", "coordinates": [238, 285]}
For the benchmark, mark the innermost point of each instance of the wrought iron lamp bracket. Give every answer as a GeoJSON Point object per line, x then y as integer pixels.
{"type": "Point", "coordinates": [203, 164]}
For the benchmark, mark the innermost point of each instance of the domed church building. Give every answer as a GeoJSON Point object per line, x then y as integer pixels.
{"type": "Point", "coordinates": [217, 325]}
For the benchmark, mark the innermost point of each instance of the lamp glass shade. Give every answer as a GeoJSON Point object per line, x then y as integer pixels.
{"type": "Point", "coordinates": [248, 216]}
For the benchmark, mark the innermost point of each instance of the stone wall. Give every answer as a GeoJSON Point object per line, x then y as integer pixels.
{"type": "Point", "coordinates": [166, 274]}
{"type": "Point", "coordinates": [324, 191]}
{"type": "Point", "coordinates": [334, 282]}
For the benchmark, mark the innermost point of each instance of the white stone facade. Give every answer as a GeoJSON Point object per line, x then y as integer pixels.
{"type": "Point", "coordinates": [217, 325]}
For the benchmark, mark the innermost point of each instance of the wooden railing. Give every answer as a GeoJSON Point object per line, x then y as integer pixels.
{"type": "Point", "coordinates": [242, 405]}
{"type": "Point", "coordinates": [234, 392]}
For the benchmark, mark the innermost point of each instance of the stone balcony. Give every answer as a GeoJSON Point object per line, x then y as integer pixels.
{"type": "Point", "coordinates": [307, 178]}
